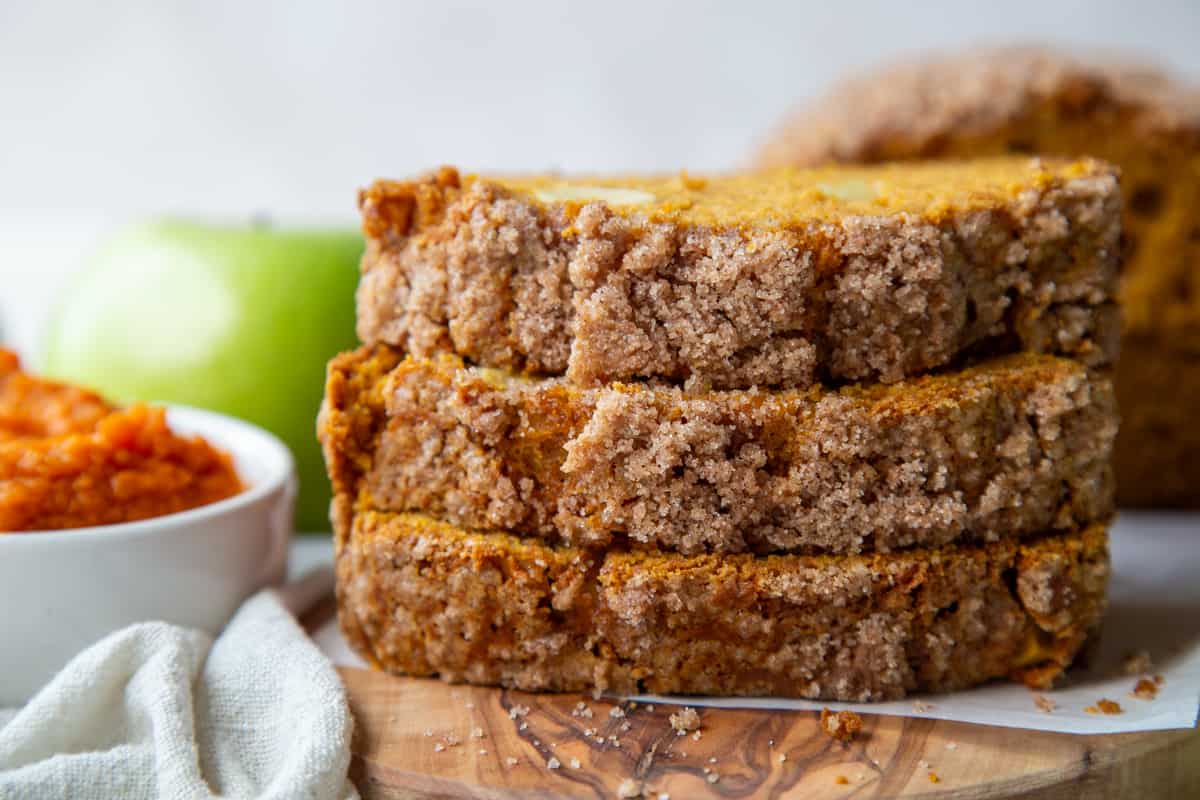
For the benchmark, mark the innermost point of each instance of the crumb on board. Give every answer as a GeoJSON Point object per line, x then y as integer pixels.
{"type": "Point", "coordinates": [470, 705]}
{"type": "Point", "coordinates": [1044, 704]}
{"type": "Point", "coordinates": [451, 740]}
{"type": "Point", "coordinates": [840, 725]}
{"type": "Point", "coordinates": [685, 720]}
{"type": "Point", "coordinates": [511, 761]}
{"type": "Point", "coordinates": [713, 777]}
{"type": "Point", "coordinates": [582, 710]}
{"type": "Point", "coordinates": [782, 757]}
{"type": "Point", "coordinates": [477, 733]}
{"type": "Point", "coordinates": [626, 727]}
{"type": "Point", "coordinates": [553, 763]}
{"type": "Point", "coordinates": [523, 726]}
{"type": "Point", "coordinates": [439, 747]}
{"type": "Point", "coordinates": [1137, 663]}
{"type": "Point", "coordinates": [482, 752]}
{"type": "Point", "coordinates": [629, 789]}
{"type": "Point", "coordinates": [923, 764]}
{"type": "Point", "coordinates": [1105, 706]}
{"type": "Point", "coordinates": [589, 732]}
{"type": "Point", "coordinates": [518, 711]}
{"type": "Point", "coordinates": [951, 745]}
{"type": "Point", "coordinates": [696, 736]}
{"type": "Point", "coordinates": [921, 707]}
{"type": "Point", "coordinates": [429, 732]}
{"type": "Point", "coordinates": [576, 763]}
{"type": "Point", "coordinates": [616, 712]}
{"type": "Point", "coordinates": [933, 778]}
{"type": "Point", "coordinates": [841, 780]}
{"type": "Point", "coordinates": [1144, 689]}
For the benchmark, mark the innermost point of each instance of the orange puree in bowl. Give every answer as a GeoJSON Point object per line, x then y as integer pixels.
{"type": "Point", "coordinates": [68, 459]}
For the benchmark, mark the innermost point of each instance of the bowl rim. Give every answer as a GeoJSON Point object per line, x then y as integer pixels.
{"type": "Point", "coordinates": [194, 421]}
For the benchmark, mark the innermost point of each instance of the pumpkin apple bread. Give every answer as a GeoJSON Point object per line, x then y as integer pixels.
{"type": "Point", "coordinates": [786, 279]}
{"type": "Point", "coordinates": [1015, 446]}
{"type": "Point", "coordinates": [423, 597]}
{"type": "Point", "coordinates": [1028, 100]}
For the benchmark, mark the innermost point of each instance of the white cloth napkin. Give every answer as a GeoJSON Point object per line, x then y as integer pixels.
{"type": "Point", "coordinates": [159, 711]}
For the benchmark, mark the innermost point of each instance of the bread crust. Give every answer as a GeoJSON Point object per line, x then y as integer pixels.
{"type": "Point", "coordinates": [422, 597]}
{"type": "Point", "coordinates": [716, 290]}
{"type": "Point", "coordinates": [1013, 447]}
{"type": "Point", "coordinates": [990, 102]}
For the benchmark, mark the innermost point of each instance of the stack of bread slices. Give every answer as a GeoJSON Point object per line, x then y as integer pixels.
{"type": "Point", "coordinates": [837, 433]}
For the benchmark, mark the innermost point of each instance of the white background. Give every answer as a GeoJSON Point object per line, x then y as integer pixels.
{"type": "Point", "coordinates": [114, 111]}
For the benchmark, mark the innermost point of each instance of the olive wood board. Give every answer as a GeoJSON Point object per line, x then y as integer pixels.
{"type": "Point", "coordinates": [424, 738]}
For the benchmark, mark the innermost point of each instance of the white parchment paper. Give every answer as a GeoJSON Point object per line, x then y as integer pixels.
{"type": "Point", "coordinates": [1154, 606]}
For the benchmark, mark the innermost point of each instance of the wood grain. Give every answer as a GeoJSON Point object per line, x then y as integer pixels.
{"type": "Point", "coordinates": [401, 721]}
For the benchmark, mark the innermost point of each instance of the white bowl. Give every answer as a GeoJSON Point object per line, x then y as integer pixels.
{"type": "Point", "coordinates": [65, 590]}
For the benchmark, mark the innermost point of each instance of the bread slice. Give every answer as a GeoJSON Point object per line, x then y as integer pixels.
{"type": "Point", "coordinates": [1013, 447]}
{"type": "Point", "coordinates": [991, 102]}
{"type": "Point", "coordinates": [785, 279]}
{"type": "Point", "coordinates": [422, 597]}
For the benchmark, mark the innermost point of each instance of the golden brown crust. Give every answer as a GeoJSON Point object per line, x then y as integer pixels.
{"type": "Point", "coordinates": [1022, 100]}
{"type": "Point", "coordinates": [717, 291]}
{"type": "Point", "coordinates": [422, 597]}
{"type": "Point", "coordinates": [911, 108]}
{"type": "Point", "coordinates": [1013, 447]}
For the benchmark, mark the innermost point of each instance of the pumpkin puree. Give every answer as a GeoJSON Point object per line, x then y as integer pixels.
{"type": "Point", "coordinates": [69, 459]}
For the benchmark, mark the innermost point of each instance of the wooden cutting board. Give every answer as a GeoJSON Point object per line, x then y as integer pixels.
{"type": "Point", "coordinates": [424, 738]}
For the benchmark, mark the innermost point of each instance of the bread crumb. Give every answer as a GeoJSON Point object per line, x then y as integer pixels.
{"type": "Point", "coordinates": [951, 745]}
{"type": "Point", "coordinates": [840, 725]}
{"type": "Point", "coordinates": [470, 705]}
{"type": "Point", "coordinates": [933, 778]}
{"type": "Point", "coordinates": [452, 740]}
{"type": "Point", "coordinates": [1137, 663]}
{"type": "Point", "coordinates": [518, 711]}
{"type": "Point", "coordinates": [713, 777]}
{"type": "Point", "coordinates": [553, 763]}
{"type": "Point", "coordinates": [1105, 706]}
{"type": "Point", "coordinates": [1144, 689]}
{"type": "Point", "coordinates": [439, 747]}
{"type": "Point", "coordinates": [625, 727]}
{"type": "Point", "coordinates": [575, 763]}
{"type": "Point", "coordinates": [1044, 704]}
{"type": "Point", "coordinates": [923, 764]}
{"type": "Point", "coordinates": [428, 732]}
{"type": "Point", "coordinates": [589, 732]}
{"type": "Point", "coordinates": [712, 759]}
{"type": "Point", "coordinates": [582, 710]}
{"type": "Point", "coordinates": [841, 780]}
{"type": "Point", "coordinates": [685, 721]}
{"type": "Point", "coordinates": [512, 762]}
{"type": "Point", "coordinates": [482, 752]}
{"type": "Point", "coordinates": [921, 707]}
{"type": "Point", "coordinates": [523, 726]}
{"type": "Point", "coordinates": [782, 757]}
{"type": "Point", "coordinates": [629, 789]}
{"type": "Point", "coordinates": [477, 733]}
{"type": "Point", "coordinates": [651, 708]}
{"type": "Point", "coordinates": [696, 736]}
{"type": "Point", "coordinates": [616, 712]}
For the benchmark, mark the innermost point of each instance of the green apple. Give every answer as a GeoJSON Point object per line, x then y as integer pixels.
{"type": "Point", "coordinates": [241, 320]}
